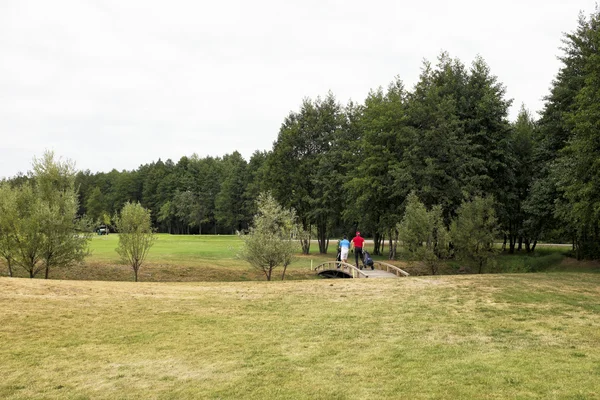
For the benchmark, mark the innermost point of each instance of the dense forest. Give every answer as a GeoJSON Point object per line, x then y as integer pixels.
{"type": "Point", "coordinates": [353, 166]}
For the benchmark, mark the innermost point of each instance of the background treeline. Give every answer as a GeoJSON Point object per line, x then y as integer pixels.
{"type": "Point", "coordinates": [449, 139]}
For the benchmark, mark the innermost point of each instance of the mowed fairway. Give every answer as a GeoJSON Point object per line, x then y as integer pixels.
{"type": "Point", "coordinates": [174, 258]}
{"type": "Point", "coordinates": [527, 336]}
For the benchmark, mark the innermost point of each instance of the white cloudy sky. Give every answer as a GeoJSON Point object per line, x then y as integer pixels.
{"type": "Point", "coordinates": [116, 84]}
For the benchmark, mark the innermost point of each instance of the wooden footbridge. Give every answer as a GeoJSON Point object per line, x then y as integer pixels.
{"type": "Point", "coordinates": [338, 269]}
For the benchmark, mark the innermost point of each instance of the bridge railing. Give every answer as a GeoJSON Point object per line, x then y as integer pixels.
{"type": "Point", "coordinates": [344, 267]}
{"type": "Point", "coordinates": [390, 268]}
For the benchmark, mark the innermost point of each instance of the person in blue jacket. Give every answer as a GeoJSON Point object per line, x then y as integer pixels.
{"type": "Point", "coordinates": [345, 247]}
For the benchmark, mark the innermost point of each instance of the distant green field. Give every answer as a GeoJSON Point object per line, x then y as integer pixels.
{"type": "Point", "coordinates": [173, 248]}
{"type": "Point", "coordinates": [519, 336]}
{"type": "Point", "coordinates": [180, 258]}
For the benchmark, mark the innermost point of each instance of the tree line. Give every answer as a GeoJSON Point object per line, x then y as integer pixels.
{"type": "Point", "coordinates": [447, 141]}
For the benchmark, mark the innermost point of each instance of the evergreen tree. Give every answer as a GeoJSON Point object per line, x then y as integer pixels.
{"type": "Point", "coordinates": [373, 202]}
{"type": "Point", "coordinates": [230, 203]}
{"type": "Point", "coordinates": [569, 127]}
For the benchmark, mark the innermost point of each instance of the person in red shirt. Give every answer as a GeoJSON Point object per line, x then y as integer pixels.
{"type": "Point", "coordinates": [357, 244]}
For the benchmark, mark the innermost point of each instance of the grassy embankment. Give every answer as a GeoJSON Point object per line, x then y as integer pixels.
{"type": "Point", "coordinates": [529, 336]}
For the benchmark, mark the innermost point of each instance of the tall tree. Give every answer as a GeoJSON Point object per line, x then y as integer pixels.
{"type": "Point", "coordinates": [208, 181]}
{"type": "Point", "coordinates": [578, 169]}
{"type": "Point", "coordinates": [257, 180]}
{"type": "Point", "coordinates": [230, 203]}
{"type": "Point", "coordinates": [433, 161]}
{"type": "Point", "coordinates": [296, 165]}
{"type": "Point", "coordinates": [65, 236]}
{"type": "Point", "coordinates": [8, 220]}
{"type": "Point", "coordinates": [95, 205]}
{"type": "Point", "coordinates": [382, 136]}
{"type": "Point", "coordinates": [26, 230]}
{"type": "Point", "coordinates": [566, 187]}
{"type": "Point", "coordinates": [518, 223]}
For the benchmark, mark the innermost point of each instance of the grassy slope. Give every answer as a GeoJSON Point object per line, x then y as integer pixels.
{"type": "Point", "coordinates": [449, 337]}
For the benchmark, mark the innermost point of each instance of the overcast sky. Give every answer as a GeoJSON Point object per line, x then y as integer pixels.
{"type": "Point", "coordinates": [116, 84]}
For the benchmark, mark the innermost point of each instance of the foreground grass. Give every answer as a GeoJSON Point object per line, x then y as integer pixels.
{"type": "Point", "coordinates": [451, 337]}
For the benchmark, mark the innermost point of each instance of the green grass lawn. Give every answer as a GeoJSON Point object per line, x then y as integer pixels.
{"type": "Point", "coordinates": [189, 258]}
{"type": "Point", "coordinates": [521, 336]}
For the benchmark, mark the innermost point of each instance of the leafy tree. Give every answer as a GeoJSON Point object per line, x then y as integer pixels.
{"type": "Point", "coordinates": [270, 243]}
{"type": "Point", "coordinates": [8, 220]}
{"type": "Point", "coordinates": [230, 210]}
{"type": "Point", "coordinates": [487, 130]}
{"type": "Point", "coordinates": [208, 181]}
{"type": "Point", "coordinates": [382, 135]}
{"type": "Point", "coordinates": [184, 205]}
{"type": "Point", "coordinates": [433, 160]}
{"type": "Point", "coordinates": [65, 237]}
{"type": "Point", "coordinates": [457, 141]}
{"type": "Point", "coordinates": [26, 230]}
{"type": "Point", "coordinates": [257, 181]}
{"type": "Point", "coordinates": [296, 168]}
{"type": "Point", "coordinates": [95, 204]}
{"type": "Point", "coordinates": [167, 215]}
{"type": "Point", "coordinates": [136, 236]}
{"type": "Point", "coordinates": [577, 169]}
{"type": "Point", "coordinates": [424, 233]}
{"type": "Point", "coordinates": [518, 223]}
{"type": "Point", "coordinates": [415, 227]}
{"type": "Point", "coordinates": [474, 230]}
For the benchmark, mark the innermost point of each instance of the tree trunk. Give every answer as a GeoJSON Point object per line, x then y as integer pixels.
{"type": "Point", "coordinates": [534, 244]}
{"type": "Point", "coordinates": [513, 240]}
{"type": "Point", "coordinates": [283, 273]}
{"type": "Point", "coordinates": [393, 240]}
{"type": "Point", "coordinates": [47, 271]}
{"type": "Point", "coordinates": [322, 237]}
{"type": "Point", "coordinates": [305, 245]}
{"type": "Point", "coordinates": [305, 242]}
{"type": "Point", "coordinates": [504, 243]}
{"type": "Point", "coordinates": [520, 243]}
{"type": "Point", "coordinates": [10, 271]}
{"type": "Point", "coordinates": [376, 243]}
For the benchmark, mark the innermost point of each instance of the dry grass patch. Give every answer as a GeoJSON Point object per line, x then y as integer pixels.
{"type": "Point", "coordinates": [511, 336]}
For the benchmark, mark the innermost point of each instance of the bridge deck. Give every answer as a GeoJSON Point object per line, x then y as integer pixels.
{"type": "Point", "coordinates": [336, 269]}
{"type": "Point", "coordinates": [378, 273]}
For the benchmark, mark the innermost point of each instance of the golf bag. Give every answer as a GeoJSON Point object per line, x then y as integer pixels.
{"type": "Point", "coordinates": [339, 256]}
{"type": "Point", "coordinates": [367, 260]}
